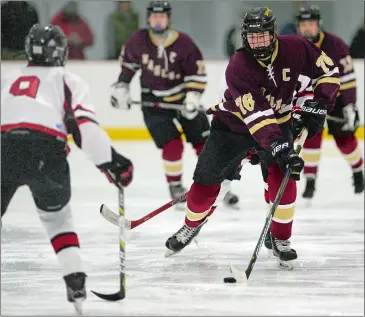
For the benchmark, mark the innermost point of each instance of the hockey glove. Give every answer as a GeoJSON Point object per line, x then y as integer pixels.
{"type": "Point", "coordinates": [191, 105]}
{"type": "Point", "coordinates": [351, 116]}
{"type": "Point", "coordinates": [286, 157]}
{"type": "Point", "coordinates": [120, 97]}
{"type": "Point", "coordinates": [253, 157]}
{"type": "Point", "coordinates": [311, 115]}
{"type": "Point", "coordinates": [119, 171]}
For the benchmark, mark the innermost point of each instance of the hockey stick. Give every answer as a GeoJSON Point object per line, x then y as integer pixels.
{"type": "Point", "coordinates": [122, 292]}
{"type": "Point", "coordinates": [109, 215]}
{"type": "Point", "coordinates": [162, 105]}
{"type": "Point", "coordinates": [244, 276]}
{"type": "Point", "coordinates": [112, 217]}
{"type": "Point", "coordinates": [335, 119]}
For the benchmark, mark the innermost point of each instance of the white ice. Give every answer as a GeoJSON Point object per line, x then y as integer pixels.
{"type": "Point", "coordinates": [328, 278]}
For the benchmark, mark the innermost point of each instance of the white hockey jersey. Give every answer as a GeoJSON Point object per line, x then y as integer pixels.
{"type": "Point", "coordinates": [56, 102]}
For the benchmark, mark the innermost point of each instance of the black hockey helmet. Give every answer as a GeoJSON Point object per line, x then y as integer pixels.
{"type": "Point", "coordinates": [46, 46]}
{"type": "Point", "coordinates": [158, 7]}
{"type": "Point", "coordinates": [310, 13]}
{"type": "Point", "coordinates": [258, 20]}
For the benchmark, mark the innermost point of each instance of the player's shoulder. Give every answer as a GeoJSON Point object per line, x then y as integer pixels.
{"type": "Point", "coordinates": [140, 34]}
{"type": "Point", "coordinates": [292, 40]}
{"type": "Point", "coordinates": [333, 40]}
{"type": "Point", "coordinates": [73, 81]}
{"type": "Point", "coordinates": [181, 36]}
{"type": "Point", "coordinates": [241, 60]}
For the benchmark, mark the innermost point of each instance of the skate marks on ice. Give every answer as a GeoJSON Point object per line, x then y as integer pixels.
{"type": "Point", "coordinates": [328, 277]}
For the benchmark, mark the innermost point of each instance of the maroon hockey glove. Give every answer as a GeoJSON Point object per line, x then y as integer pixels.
{"type": "Point", "coordinates": [119, 171]}
{"type": "Point", "coordinates": [286, 157]}
{"type": "Point", "coordinates": [311, 116]}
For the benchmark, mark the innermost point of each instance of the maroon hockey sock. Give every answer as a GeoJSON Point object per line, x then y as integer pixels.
{"type": "Point", "coordinates": [349, 147]}
{"type": "Point", "coordinates": [199, 202]}
{"type": "Point", "coordinates": [172, 156]}
{"type": "Point", "coordinates": [198, 148]}
{"type": "Point", "coordinates": [282, 221]}
{"type": "Point", "coordinates": [311, 154]}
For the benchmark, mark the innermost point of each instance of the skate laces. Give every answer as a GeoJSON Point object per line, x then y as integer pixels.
{"type": "Point", "coordinates": [185, 234]}
{"type": "Point", "coordinates": [282, 245]}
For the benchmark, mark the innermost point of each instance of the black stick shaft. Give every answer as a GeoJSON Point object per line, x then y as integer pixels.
{"type": "Point", "coordinates": [122, 256]}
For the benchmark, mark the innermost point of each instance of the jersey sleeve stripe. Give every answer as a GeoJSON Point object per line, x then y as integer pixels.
{"type": "Point", "coordinates": [79, 107]}
{"type": "Point", "coordinates": [327, 80]}
{"type": "Point", "coordinates": [258, 114]}
{"type": "Point", "coordinates": [326, 75]}
{"type": "Point", "coordinates": [83, 113]}
{"type": "Point", "coordinates": [262, 124]}
{"type": "Point", "coordinates": [349, 85]}
{"type": "Point", "coordinates": [198, 78]}
{"type": "Point", "coordinates": [195, 85]}
{"type": "Point", "coordinates": [348, 77]}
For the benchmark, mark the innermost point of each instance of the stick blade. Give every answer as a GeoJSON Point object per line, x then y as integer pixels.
{"type": "Point", "coordinates": [109, 215]}
{"type": "Point", "coordinates": [110, 297]}
{"type": "Point", "coordinates": [240, 276]}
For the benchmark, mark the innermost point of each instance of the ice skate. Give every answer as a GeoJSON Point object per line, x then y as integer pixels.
{"type": "Point", "coordinates": [76, 292]}
{"type": "Point", "coordinates": [231, 200]}
{"type": "Point", "coordinates": [268, 245]}
{"type": "Point", "coordinates": [309, 188]}
{"type": "Point", "coordinates": [358, 182]}
{"type": "Point", "coordinates": [182, 238]}
{"type": "Point", "coordinates": [176, 190]}
{"type": "Point", "coordinates": [285, 254]}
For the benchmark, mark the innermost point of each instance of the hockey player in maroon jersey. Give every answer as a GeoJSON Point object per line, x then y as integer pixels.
{"type": "Point", "coordinates": [173, 71]}
{"type": "Point", "coordinates": [344, 119]}
{"type": "Point", "coordinates": [40, 105]}
{"type": "Point", "coordinates": [261, 78]}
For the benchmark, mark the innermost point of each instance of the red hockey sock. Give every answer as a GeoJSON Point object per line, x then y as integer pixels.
{"type": "Point", "coordinates": [172, 153]}
{"type": "Point", "coordinates": [198, 148]}
{"type": "Point", "coordinates": [311, 155]}
{"type": "Point", "coordinates": [199, 202]}
{"type": "Point", "coordinates": [349, 147]}
{"type": "Point", "coordinates": [282, 221]}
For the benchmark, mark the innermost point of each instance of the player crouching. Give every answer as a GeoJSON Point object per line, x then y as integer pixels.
{"type": "Point", "coordinates": [41, 104]}
{"type": "Point", "coordinates": [261, 78]}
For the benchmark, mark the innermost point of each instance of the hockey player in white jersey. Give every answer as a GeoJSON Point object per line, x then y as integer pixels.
{"type": "Point", "coordinates": [41, 104]}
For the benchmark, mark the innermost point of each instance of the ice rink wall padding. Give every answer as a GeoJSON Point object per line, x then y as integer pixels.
{"type": "Point", "coordinates": [129, 125]}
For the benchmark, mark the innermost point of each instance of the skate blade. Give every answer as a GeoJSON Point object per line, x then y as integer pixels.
{"type": "Point", "coordinates": [269, 253]}
{"type": "Point", "coordinates": [308, 202]}
{"type": "Point", "coordinates": [78, 305]}
{"type": "Point", "coordinates": [285, 265]}
{"type": "Point", "coordinates": [169, 253]}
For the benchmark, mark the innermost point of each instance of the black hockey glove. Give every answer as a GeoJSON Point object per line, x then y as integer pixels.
{"type": "Point", "coordinates": [119, 171]}
{"type": "Point", "coordinates": [286, 157]}
{"type": "Point", "coordinates": [253, 157]}
{"type": "Point", "coordinates": [311, 116]}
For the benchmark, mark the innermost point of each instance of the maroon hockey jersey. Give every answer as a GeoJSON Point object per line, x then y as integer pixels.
{"type": "Point", "coordinates": [259, 97]}
{"type": "Point", "coordinates": [168, 71]}
{"type": "Point", "coordinates": [338, 51]}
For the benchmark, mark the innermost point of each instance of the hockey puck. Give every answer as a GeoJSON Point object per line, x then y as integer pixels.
{"type": "Point", "coordinates": [229, 280]}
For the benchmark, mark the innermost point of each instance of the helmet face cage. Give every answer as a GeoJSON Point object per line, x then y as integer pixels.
{"type": "Point", "coordinates": [159, 7]}
{"type": "Point", "coordinates": [311, 13]}
{"type": "Point", "coordinates": [46, 46]}
{"type": "Point", "coordinates": [259, 21]}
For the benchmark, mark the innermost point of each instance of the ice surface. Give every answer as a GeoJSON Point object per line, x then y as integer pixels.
{"type": "Point", "coordinates": [328, 278]}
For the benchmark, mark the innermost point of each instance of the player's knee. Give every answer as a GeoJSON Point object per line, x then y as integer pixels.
{"type": "Point", "coordinates": [53, 200]}
{"type": "Point", "coordinates": [202, 197]}
{"type": "Point", "coordinates": [345, 142]}
{"type": "Point", "coordinates": [172, 150]}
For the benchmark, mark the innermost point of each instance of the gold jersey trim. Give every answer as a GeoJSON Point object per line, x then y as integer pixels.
{"type": "Point", "coordinates": [349, 85]}
{"type": "Point", "coordinates": [172, 36]}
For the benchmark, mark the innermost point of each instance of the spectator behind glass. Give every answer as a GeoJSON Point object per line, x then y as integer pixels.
{"type": "Point", "coordinates": [17, 17]}
{"type": "Point", "coordinates": [357, 47]}
{"type": "Point", "coordinates": [75, 28]}
{"type": "Point", "coordinates": [122, 23]}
